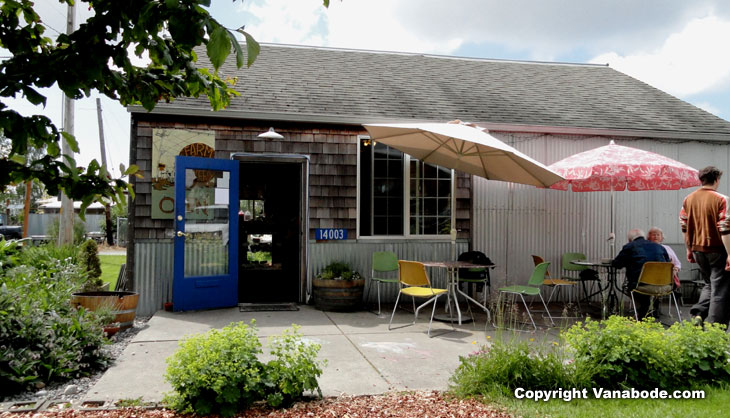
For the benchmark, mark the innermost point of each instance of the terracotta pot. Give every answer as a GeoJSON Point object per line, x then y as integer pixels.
{"type": "Point", "coordinates": [110, 330]}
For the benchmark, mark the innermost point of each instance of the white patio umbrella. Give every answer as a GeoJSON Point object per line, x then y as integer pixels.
{"type": "Point", "coordinates": [465, 148]}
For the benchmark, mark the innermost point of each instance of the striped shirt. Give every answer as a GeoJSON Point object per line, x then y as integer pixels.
{"type": "Point", "coordinates": [704, 219]}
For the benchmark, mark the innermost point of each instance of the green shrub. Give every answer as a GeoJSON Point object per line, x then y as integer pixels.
{"type": "Point", "coordinates": [9, 253]}
{"type": "Point", "coordinates": [293, 370]}
{"type": "Point", "coordinates": [89, 260]}
{"type": "Point", "coordinates": [219, 371]}
{"type": "Point", "coordinates": [42, 338]}
{"type": "Point", "coordinates": [338, 270]}
{"type": "Point", "coordinates": [47, 255]}
{"type": "Point", "coordinates": [505, 366]}
{"type": "Point", "coordinates": [646, 355]}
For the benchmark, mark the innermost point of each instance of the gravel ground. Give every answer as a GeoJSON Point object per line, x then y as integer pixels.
{"type": "Point", "coordinates": [393, 405]}
{"type": "Point", "coordinates": [77, 388]}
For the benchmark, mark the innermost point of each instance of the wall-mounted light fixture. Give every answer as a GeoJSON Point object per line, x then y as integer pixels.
{"type": "Point", "coordinates": [271, 134]}
{"type": "Point", "coordinates": [367, 142]}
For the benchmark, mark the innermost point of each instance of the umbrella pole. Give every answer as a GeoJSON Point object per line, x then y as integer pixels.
{"type": "Point", "coordinates": [612, 235]}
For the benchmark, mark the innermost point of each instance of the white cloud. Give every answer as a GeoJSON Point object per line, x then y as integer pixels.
{"type": "Point", "coordinates": [689, 62]}
{"type": "Point", "coordinates": [375, 24]}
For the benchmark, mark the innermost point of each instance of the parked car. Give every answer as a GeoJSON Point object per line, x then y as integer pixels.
{"type": "Point", "coordinates": [10, 231]}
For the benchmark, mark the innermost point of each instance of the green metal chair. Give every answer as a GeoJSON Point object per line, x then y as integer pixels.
{"type": "Point", "coordinates": [532, 288]}
{"type": "Point", "coordinates": [383, 262]}
{"type": "Point", "coordinates": [558, 285]}
{"type": "Point", "coordinates": [572, 272]}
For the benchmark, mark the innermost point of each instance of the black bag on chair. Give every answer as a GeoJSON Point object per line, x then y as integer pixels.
{"type": "Point", "coordinates": [476, 257]}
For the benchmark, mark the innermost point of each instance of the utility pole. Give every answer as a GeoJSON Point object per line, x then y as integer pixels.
{"type": "Point", "coordinates": [107, 215]}
{"type": "Point", "coordinates": [66, 218]}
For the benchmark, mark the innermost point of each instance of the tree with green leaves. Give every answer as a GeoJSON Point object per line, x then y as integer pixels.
{"type": "Point", "coordinates": [97, 56]}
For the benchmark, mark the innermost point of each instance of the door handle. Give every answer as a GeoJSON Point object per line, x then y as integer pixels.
{"type": "Point", "coordinates": [181, 234]}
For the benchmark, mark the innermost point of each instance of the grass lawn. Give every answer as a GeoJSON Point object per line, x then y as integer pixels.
{"type": "Point", "coordinates": [711, 406]}
{"type": "Point", "coordinates": [110, 266]}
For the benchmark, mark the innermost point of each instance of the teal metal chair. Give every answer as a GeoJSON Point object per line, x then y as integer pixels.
{"type": "Point", "coordinates": [383, 262]}
{"type": "Point", "coordinates": [532, 288]}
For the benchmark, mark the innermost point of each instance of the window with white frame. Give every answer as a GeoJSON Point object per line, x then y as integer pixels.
{"type": "Point", "coordinates": [402, 196]}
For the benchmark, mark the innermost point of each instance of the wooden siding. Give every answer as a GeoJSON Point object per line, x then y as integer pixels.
{"type": "Point", "coordinates": [332, 179]}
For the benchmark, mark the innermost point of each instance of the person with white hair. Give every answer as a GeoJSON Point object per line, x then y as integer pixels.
{"type": "Point", "coordinates": [657, 235]}
{"type": "Point", "coordinates": [632, 257]}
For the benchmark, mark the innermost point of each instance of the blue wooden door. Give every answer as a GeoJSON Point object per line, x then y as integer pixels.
{"type": "Point", "coordinates": [206, 233]}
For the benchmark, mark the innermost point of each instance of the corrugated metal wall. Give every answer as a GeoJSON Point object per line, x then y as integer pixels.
{"type": "Point", "coordinates": [358, 255]}
{"type": "Point", "coordinates": [512, 222]}
{"type": "Point", "coordinates": [153, 270]}
{"type": "Point", "coordinates": [154, 264]}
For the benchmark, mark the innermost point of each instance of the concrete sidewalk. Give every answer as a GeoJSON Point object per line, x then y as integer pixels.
{"type": "Point", "coordinates": [363, 356]}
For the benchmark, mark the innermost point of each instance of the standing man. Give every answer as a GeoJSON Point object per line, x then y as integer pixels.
{"type": "Point", "coordinates": [706, 229]}
{"type": "Point", "coordinates": [633, 256]}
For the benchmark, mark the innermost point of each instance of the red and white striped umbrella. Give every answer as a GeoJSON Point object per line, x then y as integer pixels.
{"type": "Point", "coordinates": [616, 167]}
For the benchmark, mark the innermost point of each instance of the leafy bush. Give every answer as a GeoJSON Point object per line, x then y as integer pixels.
{"type": "Point", "coordinates": [338, 270]}
{"type": "Point", "coordinates": [89, 260]}
{"type": "Point", "coordinates": [219, 371]}
{"type": "Point", "coordinates": [42, 338]}
{"type": "Point", "coordinates": [646, 355]}
{"type": "Point", "coordinates": [47, 256]}
{"type": "Point", "coordinates": [505, 366]}
{"type": "Point", "coordinates": [9, 253]}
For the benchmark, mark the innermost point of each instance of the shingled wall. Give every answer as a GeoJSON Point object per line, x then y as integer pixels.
{"type": "Point", "coordinates": [332, 172]}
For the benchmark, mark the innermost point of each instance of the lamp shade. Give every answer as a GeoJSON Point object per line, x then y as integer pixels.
{"type": "Point", "coordinates": [271, 134]}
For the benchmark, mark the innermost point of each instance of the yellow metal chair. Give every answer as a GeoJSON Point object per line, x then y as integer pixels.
{"type": "Point", "coordinates": [556, 284]}
{"type": "Point", "coordinates": [656, 280]}
{"type": "Point", "coordinates": [416, 284]}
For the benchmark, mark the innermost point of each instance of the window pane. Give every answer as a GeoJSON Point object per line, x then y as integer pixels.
{"type": "Point", "coordinates": [444, 188]}
{"type": "Point", "coordinates": [395, 226]}
{"type": "Point", "coordinates": [444, 225]}
{"type": "Point", "coordinates": [395, 207]}
{"type": "Point", "coordinates": [430, 199]}
{"type": "Point", "coordinates": [429, 225]}
{"type": "Point", "coordinates": [380, 225]}
{"type": "Point", "coordinates": [444, 173]}
{"type": "Point", "coordinates": [430, 207]}
{"type": "Point", "coordinates": [429, 171]}
{"type": "Point", "coordinates": [386, 193]}
{"type": "Point", "coordinates": [430, 188]}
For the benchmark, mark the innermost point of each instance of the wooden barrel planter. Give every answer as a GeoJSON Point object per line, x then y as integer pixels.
{"type": "Point", "coordinates": [337, 295]}
{"type": "Point", "coordinates": [123, 304]}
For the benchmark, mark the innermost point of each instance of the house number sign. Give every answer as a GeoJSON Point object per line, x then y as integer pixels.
{"type": "Point", "coordinates": [321, 234]}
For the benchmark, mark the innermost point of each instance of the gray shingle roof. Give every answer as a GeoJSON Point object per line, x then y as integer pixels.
{"type": "Point", "coordinates": [351, 86]}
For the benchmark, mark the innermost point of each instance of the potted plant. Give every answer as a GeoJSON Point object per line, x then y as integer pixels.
{"type": "Point", "coordinates": [121, 303]}
{"type": "Point", "coordinates": [338, 288]}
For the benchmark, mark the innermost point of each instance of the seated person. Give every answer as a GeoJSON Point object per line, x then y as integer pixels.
{"type": "Point", "coordinates": [632, 257]}
{"type": "Point", "coordinates": [657, 235]}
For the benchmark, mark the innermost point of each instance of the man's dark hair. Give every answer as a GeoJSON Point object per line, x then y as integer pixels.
{"type": "Point", "coordinates": [709, 175]}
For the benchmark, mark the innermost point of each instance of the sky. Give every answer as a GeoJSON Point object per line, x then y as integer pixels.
{"type": "Point", "coordinates": [678, 46]}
